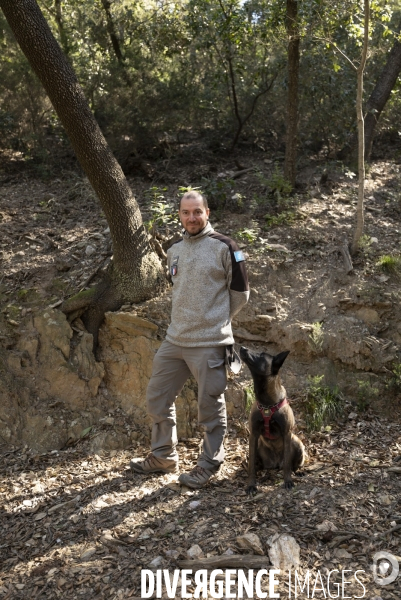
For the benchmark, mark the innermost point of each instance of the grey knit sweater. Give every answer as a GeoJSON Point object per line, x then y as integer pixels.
{"type": "Point", "coordinates": [210, 285]}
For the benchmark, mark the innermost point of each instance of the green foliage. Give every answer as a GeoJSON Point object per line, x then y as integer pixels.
{"type": "Point", "coordinates": [249, 399]}
{"type": "Point", "coordinates": [234, 51]}
{"type": "Point", "coordinates": [85, 432]}
{"type": "Point", "coordinates": [188, 188]}
{"type": "Point", "coordinates": [163, 211]}
{"type": "Point", "coordinates": [367, 394]}
{"type": "Point", "coordinates": [286, 217]}
{"type": "Point", "coordinates": [394, 383]}
{"type": "Point", "coordinates": [322, 405]}
{"type": "Point", "coordinates": [364, 242]}
{"type": "Point", "coordinates": [29, 296]}
{"type": "Point", "coordinates": [202, 67]}
{"type": "Point", "coordinates": [247, 235]}
{"type": "Point", "coordinates": [389, 264]}
{"type": "Point", "coordinates": [316, 337]}
{"type": "Point", "coordinates": [279, 187]}
{"type": "Point", "coordinates": [218, 192]}
{"type": "Point", "coordinates": [22, 294]}
{"type": "Point", "coordinates": [277, 197]}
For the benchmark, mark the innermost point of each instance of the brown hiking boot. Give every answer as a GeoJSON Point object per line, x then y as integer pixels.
{"type": "Point", "coordinates": [196, 478]}
{"type": "Point", "coordinates": [152, 464]}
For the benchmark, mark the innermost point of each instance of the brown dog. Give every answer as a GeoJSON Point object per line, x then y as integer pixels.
{"type": "Point", "coordinates": [271, 420]}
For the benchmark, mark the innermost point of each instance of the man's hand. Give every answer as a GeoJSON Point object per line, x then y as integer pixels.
{"type": "Point", "coordinates": [233, 360]}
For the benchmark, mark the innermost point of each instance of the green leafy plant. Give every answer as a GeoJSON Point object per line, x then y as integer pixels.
{"type": "Point", "coordinates": [249, 399]}
{"type": "Point", "coordinates": [284, 218]}
{"type": "Point", "coordinates": [187, 188]}
{"type": "Point", "coordinates": [277, 185]}
{"type": "Point", "coordinates": [394, 382]}
{"type": "Point", "coordinates": [316, 337]}
{"type": "Point", "coordinates": [389, 263]}
{"type": "Point", "coordinates": [280, 186]}
{"type": "Point", "coordinates": [163, 211]}
{"type": "Point", "coordinates": [247, 235]}
{"type": "Point", "coordinates": [364, 242]}
{"type": "Point", "coordinates": [218, 192]}
{"type": "Point", "coordinates": [367, 393]}
{"type": "Point", "coordinates": [323, 404]}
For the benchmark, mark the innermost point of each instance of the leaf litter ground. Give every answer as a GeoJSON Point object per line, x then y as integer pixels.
{"type": "Point", "coordinates": [76, 525]}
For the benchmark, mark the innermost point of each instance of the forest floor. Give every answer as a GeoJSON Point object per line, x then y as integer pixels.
{"type": "Point", "coordinates": [79, 525]}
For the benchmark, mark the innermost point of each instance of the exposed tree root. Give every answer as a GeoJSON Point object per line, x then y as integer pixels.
{"type": "Point", "coordinates": [108, 295]}
{"type": "Point", "coordinates": [91, 305]}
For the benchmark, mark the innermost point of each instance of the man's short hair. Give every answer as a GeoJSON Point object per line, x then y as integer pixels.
{"type": "Point", "coordinates": [194, 194]}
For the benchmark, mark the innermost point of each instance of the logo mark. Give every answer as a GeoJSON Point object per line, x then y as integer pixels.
{"type": "Point", "coordinates": [385, 568]}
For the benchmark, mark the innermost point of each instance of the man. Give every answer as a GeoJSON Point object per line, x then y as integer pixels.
{"type": "Point", "coordinates": [210, 286]}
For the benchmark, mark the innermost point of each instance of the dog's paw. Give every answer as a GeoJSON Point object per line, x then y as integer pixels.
{"type": "Point", "coordinates": [288, 485]}
{"type": "Point", "coordinates": [251, 490]}
{"type": "Point", "coordinates": [300, 474]}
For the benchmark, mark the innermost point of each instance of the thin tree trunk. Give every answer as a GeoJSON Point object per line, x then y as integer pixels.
{"type": "Point", "coordinates": [251, 111]}
{"type": "Point", "coordinates": [112, 31]}
{"type": "Point", "coordinates": [360, 217]}
{"type": "Point", "coordinates": [235, 101]}
{"type": "Point", "coordinates": [115, 42]}
{"type": "Point", "coordinates": [60, 27]}
{"type": "Point", "coordinates": [381, 94]}
{"type": "Point", "coordinates": [292, 100]}
{"type": "Point", "coordinates": [136, 273]}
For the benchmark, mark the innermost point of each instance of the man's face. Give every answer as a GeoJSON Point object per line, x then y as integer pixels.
{"type": "Point", "coordinates": [193, 215]}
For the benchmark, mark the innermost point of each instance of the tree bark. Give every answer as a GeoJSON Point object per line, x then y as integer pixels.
{"type": "Point", "coordinates": [292, 101]}
{"type": "Point", "coordinates": [360, 212]}
{"type": "Point", "coordinates": [381, 94]}
{"type": "Point", "coordinates": [136, 273]}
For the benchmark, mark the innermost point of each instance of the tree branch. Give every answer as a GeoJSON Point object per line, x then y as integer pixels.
{"type": "Point", "coordinates": [338, 50]}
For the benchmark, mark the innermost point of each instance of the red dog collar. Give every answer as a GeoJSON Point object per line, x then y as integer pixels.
{"type": "Point", "coordinates": [267, 418]}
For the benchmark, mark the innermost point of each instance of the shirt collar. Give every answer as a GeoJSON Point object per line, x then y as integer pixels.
{"type": "Point", "coordinates": [205, 231]}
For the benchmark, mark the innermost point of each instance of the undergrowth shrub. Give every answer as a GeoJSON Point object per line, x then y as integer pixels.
{"type": "Point", "coordinates": [323, 403]}
{"type": "Point", "coordinates": [390, 264]}
{"type": "Point", "coordinates": [249, 399]}
{"type": "Point", "coordinates": [367, 394]}
{"type": "Point", "coordinates": [393, 385]}
{"type": "Point", "coordinates": [316, 337]}
{"type": "Point", "coordinates": [163, 212]}
{"type": "Point", "coordinates": [220, 194]}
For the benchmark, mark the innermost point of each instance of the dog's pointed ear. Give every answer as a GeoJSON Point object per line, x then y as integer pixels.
{"type": "Point", "coordinates": [278, 360]}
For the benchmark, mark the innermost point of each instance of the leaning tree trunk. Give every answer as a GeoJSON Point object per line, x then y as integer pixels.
{"type": "Point", "coordinates": [381, 94]}
{"type": "Point", "coordinates": [292, 101]}
{"type": "Point", "coordinates": [136, 273]}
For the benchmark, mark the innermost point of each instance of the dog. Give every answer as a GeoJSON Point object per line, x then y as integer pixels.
{"type": "Point", "coordinates": [271, 420]}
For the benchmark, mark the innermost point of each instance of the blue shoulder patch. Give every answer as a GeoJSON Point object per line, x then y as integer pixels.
{"type": "Point", "coordinates": [239, 256]}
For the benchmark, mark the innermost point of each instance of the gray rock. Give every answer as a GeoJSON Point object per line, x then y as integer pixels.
{"type": "Point", "coordinates": [195, 551]}
{"type": "Point", "coordinates": [250, 541]}
{"type": "Point", "coordinates": [283, 551]}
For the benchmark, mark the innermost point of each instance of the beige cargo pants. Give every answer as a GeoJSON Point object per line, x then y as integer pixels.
{"type": "Point", "coordinates": [172, 366]}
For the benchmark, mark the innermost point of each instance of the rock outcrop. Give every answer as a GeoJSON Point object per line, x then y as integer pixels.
{"type": "Point", "coordinates": [54, 391]}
